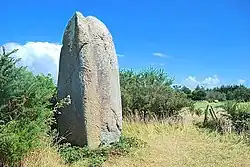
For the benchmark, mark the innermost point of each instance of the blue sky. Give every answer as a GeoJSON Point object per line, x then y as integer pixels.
{"type": "Point", "coordinates": [197, 42]}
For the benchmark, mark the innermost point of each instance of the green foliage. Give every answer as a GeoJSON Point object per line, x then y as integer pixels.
{"type": "Point", "coordinates": [239, 114]}
{"type": "Point", "coordinates": [195, 111]}
{"type": "Point", "coordinates": [199, 112]}
{"type": "Point", "coordinates": [186, 90]}
{"type": "Point", "coordinates": [25, 115]}
{"type": "Point", "coordinates": [96, 157]}
{"type": "Point", "coordinates": [17, 138]}
{"type": "Point", "coordinates": [223, 93]}
{"type": "Point", "coordinates": [149, 93]}
{"type": "Point", "coordinates": [199, 94]}
{"type": "Point", "coordinates": [235, 92]}
{"type": "Point", "coordinates": [215, 95]}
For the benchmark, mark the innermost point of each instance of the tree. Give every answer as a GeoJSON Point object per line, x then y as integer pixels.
{"type": "Point", "coordinates": [186, 90]}
{"type": "Point", "coordinates": [215, 95]}
{"type": "Point", "coordinates": [242, 93]}
{"type": "Point", "coordinates": [235, 92]}
{"type": "Point", "coordinates": [199, 93]}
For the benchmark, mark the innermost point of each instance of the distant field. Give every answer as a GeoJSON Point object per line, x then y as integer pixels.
{"type": "Point", "coordinates": [203, 104]}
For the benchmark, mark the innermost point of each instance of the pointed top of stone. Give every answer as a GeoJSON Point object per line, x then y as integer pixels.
{"type": "Point", "coordinates": [78, 14]}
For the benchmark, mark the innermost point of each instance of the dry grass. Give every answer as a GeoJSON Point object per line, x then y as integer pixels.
{"type": "Point", "coordinates": [43, 157]}
{"type": "Point", "coordinates": [183, 147]}
{"type": "Point", "coordinates": [48, 157]}
{"type": "Point", "coordinates": [167, 146]}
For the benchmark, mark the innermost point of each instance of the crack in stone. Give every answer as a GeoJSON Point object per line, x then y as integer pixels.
{"type": "Point", "coordinates": [107, 126]}
{"type": "Point", "coordinates": [82, 47]}
{"type": "Point", "coordinates": [118, 126]}
{"type": "Point", "coordinates": [116, 119]}
{"type": "Point", "coordinates": [101, 37]}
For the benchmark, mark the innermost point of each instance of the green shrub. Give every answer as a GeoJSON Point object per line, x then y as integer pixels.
{"type": "Point", "coordinates": [199, 94]}
{"type": "Point", "coordinates": [149, 93]}
{"type": "Point", "coordinates": [96, 157]}
{"type": "Point", "coordinates": [199, 112]}
{"type": "Point", "coordinates": [192, 109]}
{"type": "Point", "coordinates": [215, 95]}
{"type": "Point", "coordinates": [239, 114]}
{"type": "Point", "coordinates": [195, 111]}
{"type": "Point", "coordinates": [25, 115]}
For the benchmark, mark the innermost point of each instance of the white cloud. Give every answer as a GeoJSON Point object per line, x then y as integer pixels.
{"type": "Point", "coordinates": [209, 82]}
{"type": "Point", "coordinates": [158, 54]}
{"type": "Point", "coordinates": [119, 55]}
{"type": "Point", "coordinates": [39, 57]}
{"type": "Point", "coordinates": [191, 82]}
{"type": "Point", "coordinates": [241, 81]}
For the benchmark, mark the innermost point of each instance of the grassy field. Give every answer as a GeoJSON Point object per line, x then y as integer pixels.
{"type": "Point", "coordinates": [183, 147]}
{"type": "Point", "coordinates": [170, 146]}
{"type": "Point", "coordinates": [203, 104]}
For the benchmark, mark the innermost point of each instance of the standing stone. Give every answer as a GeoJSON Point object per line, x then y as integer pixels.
{"type": "Point", "coordinates": [88, 72]}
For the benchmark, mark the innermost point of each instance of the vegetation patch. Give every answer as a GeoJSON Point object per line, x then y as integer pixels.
{"type": "Point", "coordinates": [72, 154]}
{"type": "Point", "coordinates": [25, 115]}
{"type": "Point", "coordinates": [148, 94]}
{"type": "Point", "coordinates": [188, 146]}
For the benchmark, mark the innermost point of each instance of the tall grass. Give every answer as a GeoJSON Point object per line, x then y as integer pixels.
{"type": "Point", "coordinates": [173, 146]}
{"type": "Point", "coordinates": [188, 146]}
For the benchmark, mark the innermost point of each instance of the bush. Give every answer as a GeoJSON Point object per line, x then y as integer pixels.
{"type": "Point", "coordinates": [25, 115]}
{"type": "Point", "coordinates": [214, 95]}
{"type": "Point", "coordinates": [96, 157]}
{"type": "Point", "coordinates": [199, 94]}
{"type": "Point", "coordinates": [149, 93]}
{"type": "Point", "coordinates": [195, 111]}
{"type": "Point", "coordinates": [239, 114]}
